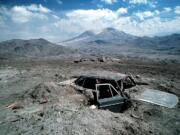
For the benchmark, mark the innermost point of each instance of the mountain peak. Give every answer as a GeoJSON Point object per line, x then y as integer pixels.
{"type": "Point", "coordinates": [113, 31]}
{"type": "Point", "coordinates": [113, 34]}
{"type": "Point", "coordinates": [109, 29]}
{"type": "Point", "coordinates": [108, 34]}
{"type": "Point", "coordinates": [87, 34]}
{"type": "Point", "coordinates": [42, 39]}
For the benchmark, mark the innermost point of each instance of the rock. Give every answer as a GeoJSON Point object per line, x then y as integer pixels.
{"type": "Point", "coordinates": [138, 76]}
{"type": "Point", "coordinates": [41, 114]}
{"type": "Point", "coordinates": [93, 60]}
{"type": "Point", "coordinates": [76, 61]}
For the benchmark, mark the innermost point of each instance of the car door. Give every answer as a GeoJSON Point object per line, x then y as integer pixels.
{"type": "Point", "coordinates": [109, 98]}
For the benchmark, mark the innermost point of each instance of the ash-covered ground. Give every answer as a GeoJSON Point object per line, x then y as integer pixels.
{"type": "Point", "coordinates": [44, 107]}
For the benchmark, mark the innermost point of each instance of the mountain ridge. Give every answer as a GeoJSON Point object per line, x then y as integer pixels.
{"type": "Point", "coordinates": [111, 42]}
{"type": "Point", "coordinates": [32, 48]}
{"type": "Point", "coordinates": [115, 36]}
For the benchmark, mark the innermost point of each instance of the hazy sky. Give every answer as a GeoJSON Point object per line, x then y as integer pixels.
{"type": "Point", "coordinates": [58, 20]}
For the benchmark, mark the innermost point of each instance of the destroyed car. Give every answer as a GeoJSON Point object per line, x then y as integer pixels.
{"type": "Point", "coordinates": [106, 91]}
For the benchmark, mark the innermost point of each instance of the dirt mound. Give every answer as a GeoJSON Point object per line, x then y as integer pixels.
{"type": "Point", "coordinates": [42, 93]}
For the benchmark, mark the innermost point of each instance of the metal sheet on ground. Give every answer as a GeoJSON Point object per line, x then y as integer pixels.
{"type": "Point", "coordinates": [159, 98]}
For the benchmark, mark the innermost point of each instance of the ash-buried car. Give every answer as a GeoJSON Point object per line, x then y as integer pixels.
{"type": "Point", "coordinates": [107, 90]}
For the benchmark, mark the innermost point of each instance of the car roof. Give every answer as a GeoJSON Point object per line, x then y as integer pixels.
{"type": "Point", "coordinates": [103, 75]}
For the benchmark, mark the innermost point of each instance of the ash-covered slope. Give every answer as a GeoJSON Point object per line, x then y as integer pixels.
{"type": "Point", "coordinates": [84, 36]}
{"type": "Point", "coordinates": [116, 37]}
{"type": "Point", "coordinates": [117, 43]}
{"type": "Point", "coordinates": [112, 35]}
{"type": "Point", "coordinates": [107, 36]}
{"type": "Point", "coordinates": [32, 48]}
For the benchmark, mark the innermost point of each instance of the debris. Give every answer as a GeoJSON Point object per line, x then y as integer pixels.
{"type": "Point", "coordinates": [102, 59]}
{"type": "Point", "coordinates": [93, 60]}
{"type": "Point", "coordinates": [14, 105]}
{"type": "Point", "coordinates": [44, 100]}
{"type": "Point", "coordinates": [67, 82]}
{"type": "Point", "coordinates": [92, 107]}
{"type": "Point", "coordinates": [76, 61]}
